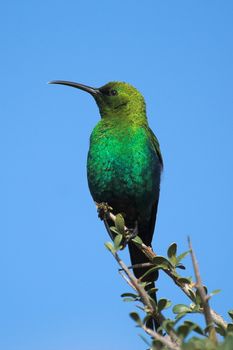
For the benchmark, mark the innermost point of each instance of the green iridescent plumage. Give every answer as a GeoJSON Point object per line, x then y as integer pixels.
{"type": "Point", "coordinates": [124, 160]}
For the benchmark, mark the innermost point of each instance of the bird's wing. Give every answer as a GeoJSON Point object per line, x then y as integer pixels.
{"type": "Point", "coordinates": [156, 146]}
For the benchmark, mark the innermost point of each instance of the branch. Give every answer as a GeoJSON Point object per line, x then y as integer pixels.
{"type": "Point", "coordinates": [146, 300]}
{"type": "Point", "coordinates": [165, 341]}
{"type": "Point", "coordinates": [203, 296]}
{"type": "Point", "coordinates": [218, 319]}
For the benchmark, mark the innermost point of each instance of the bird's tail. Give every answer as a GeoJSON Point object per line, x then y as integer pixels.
{"type": "Point", "coordinates": [138, 257]}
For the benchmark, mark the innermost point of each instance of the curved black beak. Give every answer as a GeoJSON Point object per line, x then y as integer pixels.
{"type": "Point", "coordinates": [93, 91]}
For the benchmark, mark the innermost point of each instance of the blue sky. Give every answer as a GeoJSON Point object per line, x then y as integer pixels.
{"type": "Point", "coordinates": [60, 288]}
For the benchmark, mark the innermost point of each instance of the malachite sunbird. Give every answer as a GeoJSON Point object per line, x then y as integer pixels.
{"type": "Point", "coordinates": [124, 161]}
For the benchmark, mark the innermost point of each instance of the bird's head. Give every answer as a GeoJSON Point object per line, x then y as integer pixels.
{"type": "Point", "coordinates": [115, 99]}
{"type": "Point", "coordinates": [118, 98]}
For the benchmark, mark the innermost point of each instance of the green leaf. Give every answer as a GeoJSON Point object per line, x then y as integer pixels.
{"type": "Point", "coordinates": [198, 298]}
{"type": "Point", "coordinates": [183, 330]}
{"type": "Point", "coordinates": [144, 284]}
{"type": "Point", "coordinates": [136, 318]}
{"type": "Point", "coordinates": [216, 291]}
{"type": "Point", "coordinates": [161, 261]}
{"type": "Point", "coordinates": [184, 280]}
{"type": "Point", "coordinates": [117, 241]}
{"type": "Point", "coordinates": [220, 330]}
{"type": "Point", "coordinates": [180, 266]}
{"type": "Point", "coordinates": [162, 267]}
{"type": "Point", "coordinates": [172, 250]}
{"type": "Point", "coordinates": [230, 313]}
{"type": "Point", "coordinates": [168, 325]}
{"type": "Point", "coordinates": [110, 247]}
{"type": "Point", "coordinates": [163, 304]}
{"type": "Point", "coordinates": [137, 240]}
{"type": "Point", "coordinates": [152, 290]}
{"type": "Point", "coordinates": [195, 327]}
{"type": "Point", "coordinates": [129, 297]}
{"type": "Point", "coordinates": [127, 300]}
{"type": "Point", "coordinates": [120, 224]}
{"type": "Point", "coordinates": [181, 308]}
{"type": "Point", "coordinates": [132, 295]}
{"type": "Point", "coordinates": [182, 256]}
{"type": "Point", "coordinates": [113, 229]}
{"type": "Point", "coordinates": [230, 327]}
{"type": "Point", "coordinates": [192, 295]}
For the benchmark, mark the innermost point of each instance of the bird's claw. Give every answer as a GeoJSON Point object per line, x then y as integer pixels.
{"type": "Point", "coordinates": [131, 233]}
{"type": "Point", "coordinates": [103, 209]}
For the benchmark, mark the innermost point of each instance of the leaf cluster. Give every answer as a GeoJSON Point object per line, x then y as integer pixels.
{"type": "Point", "coordinates": [189, 335]}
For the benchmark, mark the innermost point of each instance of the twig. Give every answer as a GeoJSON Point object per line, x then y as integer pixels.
{"type": "Point", "coordinates": [164, 340]}
{"type": "Point", "coordinates": [146, 300]}
{"type": "Point", "coordinates": [203, 296]}
{"type": "Point", "coordinates": [141, 291]}
{"type": "Point", "coordinates": [126, 279]}
{"type": "Point", "coordinates": [140, 266]}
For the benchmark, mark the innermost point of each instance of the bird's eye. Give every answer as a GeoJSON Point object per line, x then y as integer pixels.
{"type": "Point", "coordinates": [113, 92]}
{"type": "Point", "coordinates": [108, 92]}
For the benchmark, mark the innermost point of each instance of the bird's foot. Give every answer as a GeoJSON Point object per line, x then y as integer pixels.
{"type": "Point", "coordinates": [131, 233]}
{"type": "Point", "coordinates": [103, 209]}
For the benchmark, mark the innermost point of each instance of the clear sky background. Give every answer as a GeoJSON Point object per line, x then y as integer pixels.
{"type": "Point", "coordinates": [60, 289]}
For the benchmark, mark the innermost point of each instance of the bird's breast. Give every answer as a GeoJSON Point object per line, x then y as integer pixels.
{"type": "Point", "coordinates": [122, 166]}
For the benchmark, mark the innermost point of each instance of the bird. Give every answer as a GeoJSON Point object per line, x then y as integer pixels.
{"type": "Point", "coordinates": [124, 162]}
